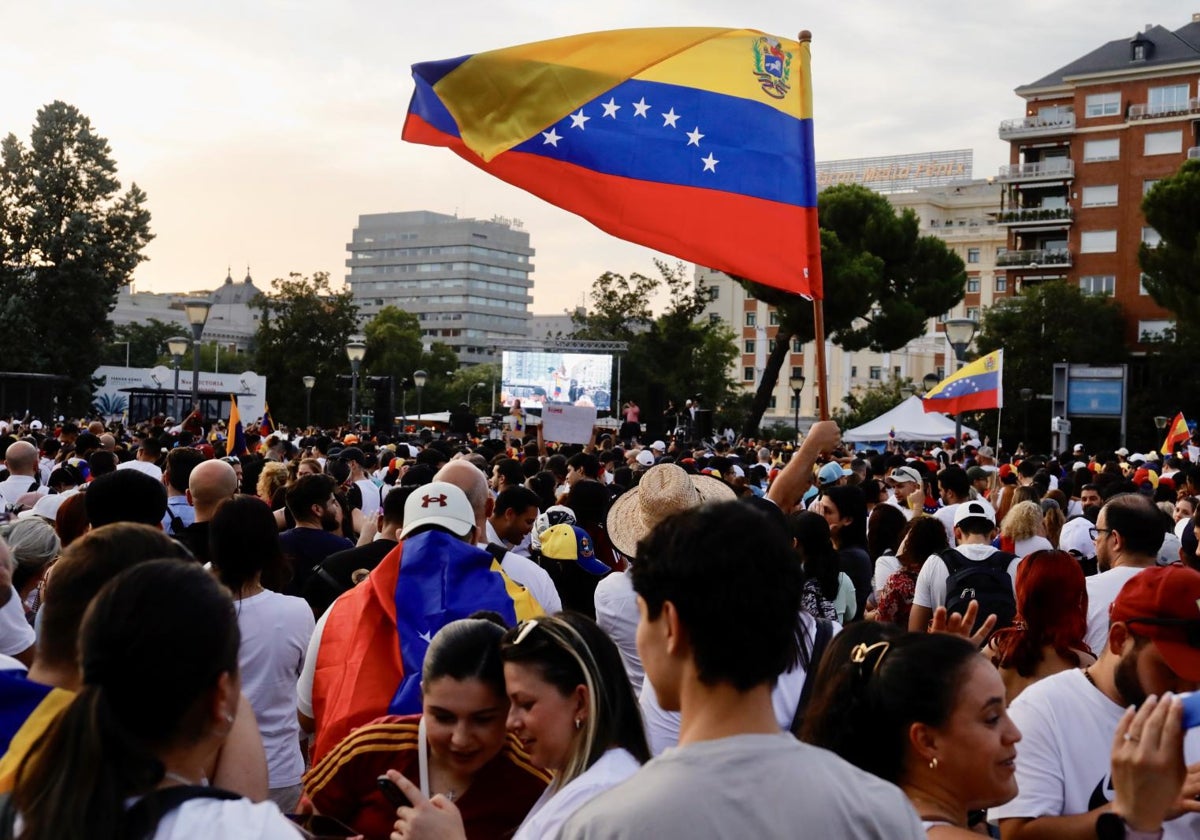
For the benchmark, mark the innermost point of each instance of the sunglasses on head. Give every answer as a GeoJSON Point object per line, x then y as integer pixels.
{"type": "Point", "coordinates": [1189, 626]}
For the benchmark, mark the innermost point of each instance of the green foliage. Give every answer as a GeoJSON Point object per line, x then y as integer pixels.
{"type": "Point", "coordinates": [872, 401]}
{"type": "Point", "coordinates": [303, 331]}
{"type": "Point", "coordinates": [473, 385]}
{"type": "Point", "coordinates": [1172, 207]}
{"type": "Point", "coordinates": [214, 356]}
{"type": "Point", "coordinates": [393, 339]}
{"type": "Point", "coordinates": [147, 343]}
{"type": "Point", "coordinates": [883, 281]}
{"type": "Point", "coordinates": [69, 239]}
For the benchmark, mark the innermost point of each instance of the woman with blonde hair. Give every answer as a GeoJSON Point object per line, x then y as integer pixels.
{"type": "Point", "coordinates": [1021, 530]}
{"type": "Point", "coordinates": [272, 479]}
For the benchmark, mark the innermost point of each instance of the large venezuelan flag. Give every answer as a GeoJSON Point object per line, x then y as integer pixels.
{"type": "Point", "coordinates": [694, 141]}
{"type": "Point", "coordinates": [977, 386]}
{"type": "Point", "coordinates": [235, 444]}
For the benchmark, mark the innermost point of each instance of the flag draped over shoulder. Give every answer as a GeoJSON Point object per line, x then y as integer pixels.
{"type": "Point", "coordinates": [267, 426]}
{"type": "Point", "coordinates": [976, 387]}
{"type": "Point", "coordinates": [236, 443]}
{"type": "Point", "coordinates": [1177, 433]}
{"type": "Point", "coordinates": [375, 635]}
{"type": "Point", "coordinates": [694, 141]}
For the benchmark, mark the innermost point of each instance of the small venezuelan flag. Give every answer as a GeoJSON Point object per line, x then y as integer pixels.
{"type": "Point", "coordinates": [236, 444]}
{"type": "Point", "coordinates": [976, 387]}
{"type": "Point", "coordinates": [267, 426]}
{"type": "Point", "coordinates": [697, 142]}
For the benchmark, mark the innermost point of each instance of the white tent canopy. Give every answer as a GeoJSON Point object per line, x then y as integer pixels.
{"type": "Point", "coordinates": [909, 422]}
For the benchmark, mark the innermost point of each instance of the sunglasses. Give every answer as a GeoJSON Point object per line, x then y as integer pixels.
{"type": "Point", "coordinates": [1189, 626]}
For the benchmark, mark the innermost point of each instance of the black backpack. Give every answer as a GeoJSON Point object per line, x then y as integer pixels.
{"type": "Point", "coordinates": [986, 581]}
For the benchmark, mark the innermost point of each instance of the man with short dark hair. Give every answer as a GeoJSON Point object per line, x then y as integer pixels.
{"type": "Point", "coordinates": [955, 489]}
{"type": "Point", "coordinates": [125, 496]}
{"type": "Point", "coordinates": [714, 660]}
{"type": "Point", "coordinates": [582, 465]}
{"type": "Point", "coordinates": [180, 462]}
{"type": "Point", "coordinates": [318, 516]}
{"type": "Point", "coordinates": [506, 473]}
{"type": "Point", "coordinates": [145, 461]}
{"type": "Point", "coordinates": [511, 522]}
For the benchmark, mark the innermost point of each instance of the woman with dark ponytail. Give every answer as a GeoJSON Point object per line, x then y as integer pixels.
{"type": "Point", "coordinates": [159, 648]}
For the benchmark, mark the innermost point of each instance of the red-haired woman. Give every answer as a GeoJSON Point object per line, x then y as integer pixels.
{"type": "Point", "coordinates": [1048, 631]}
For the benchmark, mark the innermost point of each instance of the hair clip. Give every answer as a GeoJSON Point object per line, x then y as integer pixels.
{"type": "Point", "coordinates": [526, 629]}
{"type": "Point", "coordinates": [860, 652]}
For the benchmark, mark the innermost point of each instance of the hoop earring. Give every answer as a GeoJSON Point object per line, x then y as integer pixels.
{"type": "Point", "coordinates": [933, 763]}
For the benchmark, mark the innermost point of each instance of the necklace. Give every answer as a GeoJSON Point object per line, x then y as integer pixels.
{"type": "Point", "coordinates": [184, 780]}
{"type": "Point", "coordinates": [1087, 674]}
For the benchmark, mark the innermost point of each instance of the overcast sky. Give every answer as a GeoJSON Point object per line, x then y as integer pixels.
{"type": "Point", "coordinates": [261, 129]}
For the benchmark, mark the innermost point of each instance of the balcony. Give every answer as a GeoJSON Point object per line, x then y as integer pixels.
{"type": "Point", "coordinates": [1194, 153]}
{"type": "Point", "coordinates": [1147, 111]}
{"type": "Point", "coordinates": [1059, 258]}
{"type": "Point", "coordinates": [1047, 216]}
{"type": "Point", "coordinates": [1036, 126]}
{"type": "Point", "coordinates": [1054, 169]}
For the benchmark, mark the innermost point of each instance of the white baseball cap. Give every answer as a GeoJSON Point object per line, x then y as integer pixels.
{"type": "Point", "coordinates": [974, 509]}
{"type": "Point", "coordinates": [45, 507]}
{"type": "Point", "coordinates": [659, 445]}
{"type": "Point", "coordinates": [438, 503]}
{"type": "Point", "coordinates": [646, 458]}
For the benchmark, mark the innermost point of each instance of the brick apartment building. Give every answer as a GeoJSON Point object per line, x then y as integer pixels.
{"type": "Point", "coordinates": [1096, 135]}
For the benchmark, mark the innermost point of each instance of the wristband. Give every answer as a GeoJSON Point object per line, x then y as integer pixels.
{"type": "Point", "coordinates": [1110, 826]}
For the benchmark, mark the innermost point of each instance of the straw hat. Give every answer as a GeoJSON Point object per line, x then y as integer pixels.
{"type": "Point", "coordinates": [663, 490]}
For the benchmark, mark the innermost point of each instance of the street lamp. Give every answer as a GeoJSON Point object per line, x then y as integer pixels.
{"type": "Point", "coordinates": [309, 382]}
{"type": "Point", "coordinates": [355, 350]}
{"type": "Point", "coordinates": [177, 346]}
{"type": "Point", "coordinates": [196, 310]}
{"type": "Point", "coordinates": [419, 379]}
{"type": "Point", "coordinates": [930, 381]}
{"type": "Point", "coordinates": [960, 332]}
{"type": "Point", "coordinates": [797, 386]}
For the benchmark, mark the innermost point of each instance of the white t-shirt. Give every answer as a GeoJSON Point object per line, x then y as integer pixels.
{"type": "Point", "coordinates": [1102, 590]}
{"type": "Point", "coordinates": [304, 685]}
{"type": "Point", "coordinates": [234, 819]}
{"type": "Point", "coordinates": [945, 515]}
{"type": "Point", "coordinates": [16, 636]}
{"type": "Point", "coordinates": [885, 566]}
{"type": "Point", "coordinates": [146, 467]}
{"type": "Point", "coordinates": [1065, 753]}
{"type": "Point", "coordinates": [1182, 525]}
{"type": "Point", "coordinates": [617, 615]}
{"type": "Point", "coordinates": [931, 582]}
{"type": "Point", "coordinates": [16, 486]}
{"type": "Point", "coordinates": [1025, 547]}
{"type": "Point", "coordinates": [533, 577]}
{"type": "Point", "coordinates": [662, 727]}
{"type": "Point", "coordinates": [551, 810]}
{"type": "Point", "coordinates": [275, 631]}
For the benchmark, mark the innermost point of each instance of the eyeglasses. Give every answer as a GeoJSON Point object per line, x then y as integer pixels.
{"type": "Point", "coordinates": [1189, 626]}
{"type": "Point", "coordinates": [1095, 533]}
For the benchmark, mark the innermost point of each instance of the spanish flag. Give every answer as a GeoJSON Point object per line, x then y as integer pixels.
{"type": "Point", "coordinates": [697, 142]}
{"type": "Point", "coordinates": [1177, 433]}
{"type": "Point", "coordinates": [236, 444]}
{"type": "Point", "coordinates": [977, 386]}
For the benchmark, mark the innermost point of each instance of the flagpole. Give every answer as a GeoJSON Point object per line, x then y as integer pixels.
{"type": "Point", "coordinates": [805, 37]}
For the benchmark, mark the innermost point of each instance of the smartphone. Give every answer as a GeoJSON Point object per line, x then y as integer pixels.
{"type": "Point", "coordinates": [393, 793]}
{"type": "Point", "coordinates": [321, 827]}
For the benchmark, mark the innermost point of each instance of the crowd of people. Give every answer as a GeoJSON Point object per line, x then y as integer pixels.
{"type": "Point", "coordinates": [339, 633]}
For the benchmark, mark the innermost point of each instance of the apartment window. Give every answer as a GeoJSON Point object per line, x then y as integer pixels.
{"type": "Point", "coordinates": [1148, 185]}
{"type": "Point", "coordinates": [771, 403]}
{"type": "Point", "coordinates": [1103, 196]}
{"type": "Point", "coordinates": [1163, 100]}
{"type": "Point", "coordinates": [751, 319]}
{"type": "Point", "coordinates": [797, 345]}
{"type": "Point", "coordinates": [714, 318]}
{"type": "Point", "coordinates": [748, 373]}
{"type": "Point", "coordinates": [774, 318]}
{"type": "Point", "coordinates": [1153, 329]}
{"type": "Point", "coordinates": [714, 292]}
{"type": "Point", "coordinates": [794, 402]}
{"type": "Point", "coordinates": [853, 371]}
{"type": "Point", "coordinates": [1001, 251]}
{"type": "Point", "coordinates": [1105, 284]}
{"type": "Point", "coordinates": [972, 255]}
{"type": "Point", "coordinates": [972, 284]}
{"type": "Point", "coordinates": [770, 345]}
{"type": "Point", "coordinates": [1098, 242]}
{"type": "Point", "coordinates": [1151, 237]}
{"type": "Point", "coordinates": [1104, 104]}
{"type": "Point", "coordinates": [1164, 143]}
{"type": "Point", "coordinates": [973, 313]}
{"type": "Point", "coordinates": [797, 371]}
{"type": "Point", "coordinates": [941, 373]}
{"type": "Point", "coordinates": [896, 371]}
{"type": "Point", "coordinates": [749, 345]}
{"type": "Point", "coordinates": [1096, 150]}
{"type": "Point", "coordinates": [875, 372]}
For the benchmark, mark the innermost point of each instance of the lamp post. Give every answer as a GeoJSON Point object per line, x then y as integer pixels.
{"type": "Point", "coordinates": [797, 386]}
{"type": "Point", "coordinates": [176, 346]}
{"type": "Point", "coordinates": [930, 381]}
{"type": "Point", "coordinates": [960, 332]}
{"type": "Point", "coordinates": [309, 382]}
{"type": "Point", "coordinates": [419, 379]}
{"type": "Point", "coordinates": [355, 350]}
{"type": "Point", "coordinates": [196, 310]}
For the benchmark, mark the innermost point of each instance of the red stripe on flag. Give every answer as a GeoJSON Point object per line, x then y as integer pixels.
{"type": "Point", "coordinates": [968, 402]}
{"type": "Point", "coordinates": [703, 226]}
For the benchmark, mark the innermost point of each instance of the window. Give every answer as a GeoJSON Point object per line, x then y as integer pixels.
{"type": "Point", "coordinates": [1148, 184]}
{"type": "Point", "coordinates": [1142, 290]}
{"type": "Point", "coordinates": [751, 319]}
{"type": "Point", "coordinates": [1153, 329]}
{"type": "Point", "coordinates": [1151, 237]}
{"type": "Point", "coordinates": [875, 372]}
{"type": "Point", "coordinates": [771, 403]}
{"type": "Point", "coordinates": [749, 345]}
{"type": "Point", "coordinates": [1001, 283]}
{"type": "Point", "coordinates": [1164, 143]}
{"type": "Point", "coordinates": [941, 373]}
{"type": "Point", "coordinates": [1105, 284]}
{"type": "Point", "coordinates": [714, 292]}
{"type": "Point", "coordinates": [797, 371]}
{"type": "Point", "coordinates": [1167, 99]}
{"type": "Point", "coordinates": [748, 373]}
{"type": "Point", "coordinates": [1098, 242]}
{"type": "Point", "coordinates": [1104, 104]}
{"type": "Point", "coordinates": [896, 371]}
{"type": "Point", "coordinates": [797, 345]}
{"type": "Point", "coordinates": [714, 318]}
{"type": "Point", "coordinates": [972, 284]}
{"type": "Point", "coordinates": [853, 371]}
{"type": "Point", "coordinates": [972, 255]}
{"type": "Point", "coordinates": [1104, 196]}
{"type": "Point", "coordinates": [973, 313]}
{"type": "Point", "coordinates": [1095, 150]}
{"type": "Point", "coordinates": [795, 402]}
{"type": "Point", "coordinates": [774, 318]}
{"type": "Point", "coordinates": [770, 345]}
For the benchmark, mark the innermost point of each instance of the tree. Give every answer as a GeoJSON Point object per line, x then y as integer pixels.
{"type": "Point", "coordinates": [1172, 268]}
{"type": "Point", "coordinates": [69, 240]}
{"type": "Point", "coordinates": [883, 282]}
{"type": "Point", "coordinates": [1047, 323]}
{"type": "Point", "coordinates": [302, 332]}
{"type": "Point", "coordinates": [867, 404]}
{"type": "Point", "coordinates": [147, 343]}
{"type": "Point", "coordinates": [393, 339]}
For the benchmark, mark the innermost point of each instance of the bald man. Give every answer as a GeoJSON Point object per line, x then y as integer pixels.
{"type": "Point", "coordinates": [209, 484]}
{"type": "Point", "coordinates": [21, 461]}
{"type": "Point", "coordinates": [471, 480]}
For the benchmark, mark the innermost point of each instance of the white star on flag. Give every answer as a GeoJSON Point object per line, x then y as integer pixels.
{"type": "Point", "coordinates": [694, 136]}
{"type": "Point", "coordinates": [552, 137]}
{"type": "Point", "coordinates": [640, 107]}
{"type": "Point", "coordinates": [670, 118]}
{"type": "Point", "coordinates": [710, 163]}
{"type": "Point", "coordinates": [578, 120]}
{"type": "Point", "coordinates": [426, 637]}
{"type": "Point", "coordinates": [610, 108]}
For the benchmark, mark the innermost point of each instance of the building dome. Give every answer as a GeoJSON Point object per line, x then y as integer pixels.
{"type": "Point", "coordinates": [234, 293]}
